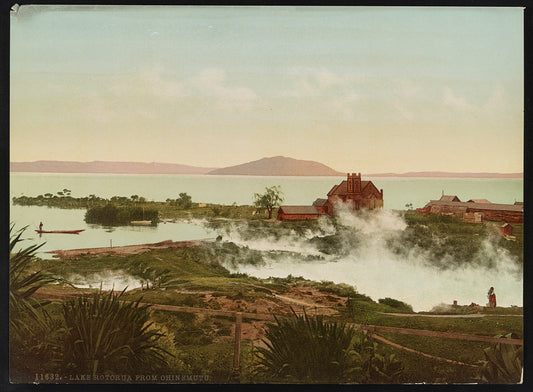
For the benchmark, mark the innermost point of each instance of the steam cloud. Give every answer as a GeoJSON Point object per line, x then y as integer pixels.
{"type": "Point", "coordinates": [364, 259]}
{"type": "Point", "coordinates": [108, 280]}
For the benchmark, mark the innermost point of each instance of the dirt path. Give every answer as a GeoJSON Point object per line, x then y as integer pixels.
{"type": "Point", "coordinates": [474, 315]}
{"type": "Point", "coordinates": [306, 297]}
{"type": "Point", "coordinates": [438, 334]}
{"type": "Point", "coordinates": [124, 250]}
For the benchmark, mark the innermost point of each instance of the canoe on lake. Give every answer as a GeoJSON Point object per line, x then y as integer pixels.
{"type": "Point", "coordinates": [60, 231]}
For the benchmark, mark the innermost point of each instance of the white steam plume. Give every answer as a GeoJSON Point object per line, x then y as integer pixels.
{"type": "Point", "coordinates": [376, 271]}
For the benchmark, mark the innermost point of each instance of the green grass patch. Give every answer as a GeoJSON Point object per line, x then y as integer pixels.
{"type": "Point", "coordinates": [450, 242]}
{"type": "Point", "coordinates": [457, 350]}
{"type": "Point", "coordinates": [486, 326]}
{"type": "Point", "coordinates": [420, 369]}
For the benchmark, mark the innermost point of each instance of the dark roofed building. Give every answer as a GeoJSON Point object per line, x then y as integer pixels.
{"type": "Point", "coordinates": [297, 212]}
{"type": "Point", "coordinates": [357, 194]}
{"type": "Point", "coordinates": [491, 211]}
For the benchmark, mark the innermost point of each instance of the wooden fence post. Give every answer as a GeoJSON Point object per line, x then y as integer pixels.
{"type": "Point", "coordinates": [237, 351]}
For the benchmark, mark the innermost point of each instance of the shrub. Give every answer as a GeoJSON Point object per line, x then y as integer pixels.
{"type": "Point", "coordinates": [26, 313]}
{"type": "Point", "coordinates": [112, 215]}
{"type": "Point", "coordinates": [394, 303]}
{"type": "Point", "coordinates": [104, 333]}
{"type": "Point", "coordinates": [306, 349]}
{"type": "Point", "coordinates": [32, 330]}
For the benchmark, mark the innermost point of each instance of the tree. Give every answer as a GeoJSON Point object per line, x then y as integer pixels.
{"type": "Point", "coordinates": [184, 201]}
{"type": "Point", "coordinates": [268, 200]}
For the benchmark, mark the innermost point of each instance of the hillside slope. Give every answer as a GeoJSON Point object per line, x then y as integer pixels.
{"type": "Point", "coordinates": [278, 166]}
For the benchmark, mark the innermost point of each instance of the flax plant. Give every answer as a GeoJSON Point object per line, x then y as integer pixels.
{"type": "Point", "coordinates": [26, 313]}
{"type": "Point", "coordinates": [305, 349]}
{"type": "Point", "coordinates": [107, 335]}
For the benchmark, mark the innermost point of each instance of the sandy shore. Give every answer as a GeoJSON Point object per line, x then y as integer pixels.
{"type": "Point", "coordinates": [124, 250]}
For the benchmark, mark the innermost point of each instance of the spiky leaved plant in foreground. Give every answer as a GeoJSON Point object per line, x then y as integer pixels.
{"type": "Point", "coordinates": [503, 364]}
{"type": "Point", "coordinates": [33, 334]}
{"type": "Point", "coordinates": [26, 312]}
{"type": "Point", "coordinates": [311, 349]}
{"type": "Point", "coordinates": [106, 335]}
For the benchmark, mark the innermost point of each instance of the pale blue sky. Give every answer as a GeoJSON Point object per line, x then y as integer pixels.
{"type": "Point", "coordinates": [367, 89]}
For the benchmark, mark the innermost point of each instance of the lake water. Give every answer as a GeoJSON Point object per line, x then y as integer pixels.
{"type": "Point", "coordinates": [211, 189]}
{"type": "Point", "coordinates": [240, 189]}
{"type": "Point", "coordinates": [297, 191]}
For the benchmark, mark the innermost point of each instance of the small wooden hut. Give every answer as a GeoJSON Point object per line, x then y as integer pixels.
{"type": "Point", "coordinates": [506, 229]}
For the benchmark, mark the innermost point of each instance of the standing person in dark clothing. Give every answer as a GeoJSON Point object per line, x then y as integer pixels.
{"type": "Point", "coordinates": [492, 297]}
{"type": "Point", "coordinates": [41, 226]}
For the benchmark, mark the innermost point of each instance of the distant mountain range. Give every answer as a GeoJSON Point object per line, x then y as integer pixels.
{"type": "Point", "coordinates": [106, 167]}
{"type": "Point", "coordinates": [274, 166]}
{"type": "Point", "coordinates": [438, 174]}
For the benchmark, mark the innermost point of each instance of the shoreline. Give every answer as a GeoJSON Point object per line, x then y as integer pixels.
{"type": "Point", "coordinates": [125, 250]}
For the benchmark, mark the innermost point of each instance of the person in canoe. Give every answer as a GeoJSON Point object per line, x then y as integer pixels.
{"type": "Point", "coordinates": [41, 226]}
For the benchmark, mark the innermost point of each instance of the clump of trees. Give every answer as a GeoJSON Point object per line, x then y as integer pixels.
{"type": "Point", "coordinates": [113, 215]}
{"type": "Point", "coordinates": [183, 201]}
{"type": "Point", "coordinates": [61, 199]}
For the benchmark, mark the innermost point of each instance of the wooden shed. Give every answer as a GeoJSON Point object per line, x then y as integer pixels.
{"type": "Point", "coordinates": [506, 229]}
{"type": "Point", "coordinates": [321, 205]}
{"type": "Point", "coordinates": [297, 213]}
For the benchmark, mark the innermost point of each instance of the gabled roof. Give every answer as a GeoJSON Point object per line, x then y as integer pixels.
{"type": "Point", "coordinates": [449, 198]}
{"type": "Point", "coordinates": [369, 185]}
{"type": "Point", "coordinates": [320, 202]}
{"type": "Point", "coordinates": [485, 201]}
{"type": "Point", "coordinates": [342, 188]}
{"type": "Point", "coordinates": [299, 210]}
